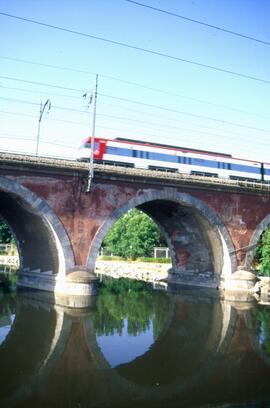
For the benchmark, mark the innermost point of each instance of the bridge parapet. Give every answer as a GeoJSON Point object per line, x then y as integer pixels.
{"type": "Point", "coordinates": [46, 164]}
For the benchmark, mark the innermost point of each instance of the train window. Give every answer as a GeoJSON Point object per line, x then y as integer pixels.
{"type": "Point", "coordinates": [134, 153]}
{"type": "Point", "coordinates": [196, 160]}
{"type": "Point", "coordinates": [118, 151]}
{"type": "Point", "coordinates": [162, 157]}
{"type": "Point", "coordinates": [245, 168]}
{"type": "Point", "coordinates": [111, 150]}
{"type": "Point", "coordinates": [206, 163]}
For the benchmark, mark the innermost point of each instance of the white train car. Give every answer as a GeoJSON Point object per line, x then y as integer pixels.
{"type": "Point", "coordinates": [160, 157]}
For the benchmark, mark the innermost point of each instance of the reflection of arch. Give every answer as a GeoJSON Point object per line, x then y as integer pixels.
{"type": "Point", "coordinates": [49, 358]}
{"type": "Point", "coordinates": [217, 340]}
{"type": "Point", "coordinates": [28, 351]}
{"type": "Point", "coordinates": [254, 241]}
{"type": "Point", "coordinates": [225, 261]}
{"type": "Point", "coordinates": [42, 240]}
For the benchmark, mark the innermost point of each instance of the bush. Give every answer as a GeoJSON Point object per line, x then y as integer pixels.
{"type": "Point", "coordinates": [263, 253]}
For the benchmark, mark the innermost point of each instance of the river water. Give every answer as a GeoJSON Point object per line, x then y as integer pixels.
{"type": "Point", "coordinates": [135, 347]}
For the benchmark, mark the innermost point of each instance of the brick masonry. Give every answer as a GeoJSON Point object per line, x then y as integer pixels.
{"type": "Point", "coordinates": [211, 226]}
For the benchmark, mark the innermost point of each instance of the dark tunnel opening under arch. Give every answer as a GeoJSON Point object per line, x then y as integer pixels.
{"type": "Point", "coordinates": [35, 242]}
{"type": "Point", "coordinates": [201, 247]}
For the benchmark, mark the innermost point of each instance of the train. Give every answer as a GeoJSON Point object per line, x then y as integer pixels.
{"type": "Point", "coordinates": [155, 156]}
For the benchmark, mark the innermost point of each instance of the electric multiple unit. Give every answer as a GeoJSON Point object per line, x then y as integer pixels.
{"type": "Point", "coordinates": [144, 155]}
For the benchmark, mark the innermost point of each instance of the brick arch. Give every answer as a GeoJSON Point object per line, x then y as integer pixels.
{"type": "Point", "coordinates": [30, 216]}
{"type": "Point", "coordinates": [254, 241]}
{"type": "Point", "coordinates": [205, 217]}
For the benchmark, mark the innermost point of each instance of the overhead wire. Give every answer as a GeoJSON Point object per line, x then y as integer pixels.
{"type": "Point", "coordinates": [184, 113]}
{"type": "Point", "coordinates": [153, 89]}
{"type": "Point", "coordinates": [126, 119]}
{"type": "Point", "coordinates": [104, 103]}
{"type": "Point", "coordinates": [190, 114]}
{"type": "Point", "coordinates": [230, 137]}
{"type": "Point", "coordinates": [45, 118]}
{"type": "Point", "coordinates": [42, 84]}
{"type": "Point", "coordinates": [137, 48]}
{"type": "Point", "coordinates": [12, 88]}
{"type": "Point", "coordinates": [37, 104]}
{"type": "Point", "coordinates": [203, 23]}
{"type": "Point", "coordinates": [137, 132]}
{"type": "Point", "coordinates": [111, 105]}
{"type": "Point", "coordinates": [154, 135]}
{"type": "Point", "coordinates": [17, 137]}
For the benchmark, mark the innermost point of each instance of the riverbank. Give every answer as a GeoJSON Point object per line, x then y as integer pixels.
{"type": "Point", "coordinates": [146, 271]}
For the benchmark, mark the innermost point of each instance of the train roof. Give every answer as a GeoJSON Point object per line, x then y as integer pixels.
{"type": "Point", "coordinates": [122, 139]}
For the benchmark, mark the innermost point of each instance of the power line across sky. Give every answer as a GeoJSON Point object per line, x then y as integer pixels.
{"type": "Point", "coordinates": [179, 73]}
{"type": "Point", "coordinates": [141, 49]}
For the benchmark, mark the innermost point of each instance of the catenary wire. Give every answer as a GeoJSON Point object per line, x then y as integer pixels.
{"type": "Point", "coordinates": [192, 20]}
{"type": "Point", "coordinates": [231, 137]}
{"type": "Point", "coordinates": [151, 106]}
{"type": "Point", "coordinates": [153, 89]}
{"type": "Point", "coordinates": [137, 48]}
{"type": "Point", "coordinates": [184, 113]}
{"type": "Point", "coordinates": [111, 105]}
{"type": "Point", "coordinates": [121, 107]}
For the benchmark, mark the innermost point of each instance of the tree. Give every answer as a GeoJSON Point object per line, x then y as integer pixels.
{"type": "Point", "coordinates": [5, 234]}
{"type": "Point", "coordinates": [134, 235]}
{"type": "Point", "coordinates": [263, 253]}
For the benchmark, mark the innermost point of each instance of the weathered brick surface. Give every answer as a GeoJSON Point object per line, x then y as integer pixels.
{"type": "Point", "coordinates": [192, 212]}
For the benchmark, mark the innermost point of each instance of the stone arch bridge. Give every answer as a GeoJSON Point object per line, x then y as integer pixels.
{"type": "Point", "coordinates": [212, 226]}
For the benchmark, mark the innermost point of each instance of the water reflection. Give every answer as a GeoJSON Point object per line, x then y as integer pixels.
{"type": "Point", "coordinates": [128, 320]}
{"type": "Point", "coordinates": [7, 316]}
{"type": "Point", "coordinates": [137, 347]}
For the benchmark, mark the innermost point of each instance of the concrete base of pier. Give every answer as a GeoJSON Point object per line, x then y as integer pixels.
{"type": "Point", "coordinates": [73, 290]}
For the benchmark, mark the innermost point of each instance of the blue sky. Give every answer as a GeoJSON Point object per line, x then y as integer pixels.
{"type": "Point", "coordinates": [188, 105]}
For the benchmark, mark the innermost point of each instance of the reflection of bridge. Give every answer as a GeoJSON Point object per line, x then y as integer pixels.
{"type": "Point", "coordinates": [211, 226]}
{"type": "Point", "coordinates": [51, 358]}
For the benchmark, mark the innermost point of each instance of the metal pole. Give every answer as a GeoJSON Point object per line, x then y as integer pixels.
{"type": "Point", "coordinates": [91, 162]}
{"type": "Point", "coordinates": [41, 111]}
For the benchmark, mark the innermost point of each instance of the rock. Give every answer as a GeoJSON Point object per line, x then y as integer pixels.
{"type": "Point", "coordinates": [148, 272]}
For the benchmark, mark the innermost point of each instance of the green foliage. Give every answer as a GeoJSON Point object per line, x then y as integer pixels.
{"type": "Point", "coordinates": [6, 236]}
{"type": "Point", "coordinates": [263, 253]}
{"type": "Point", "coordinates": [7, 303]}
{"type": "Point", "coordinates": [133, 235]}
{"type": "Point", "coordinates": [263, 317]}
{"type": "Point", "coordinates": [121, 299]}
{"type": "Point", "coordinates": [8, 282]}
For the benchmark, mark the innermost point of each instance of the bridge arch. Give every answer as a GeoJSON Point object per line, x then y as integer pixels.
{"type": "Point", "coordinates": [198, 239]}
{"type": "Point", "coordinates": [42, 241]}
{"type": "Point", "coordinates": [261, 227]}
